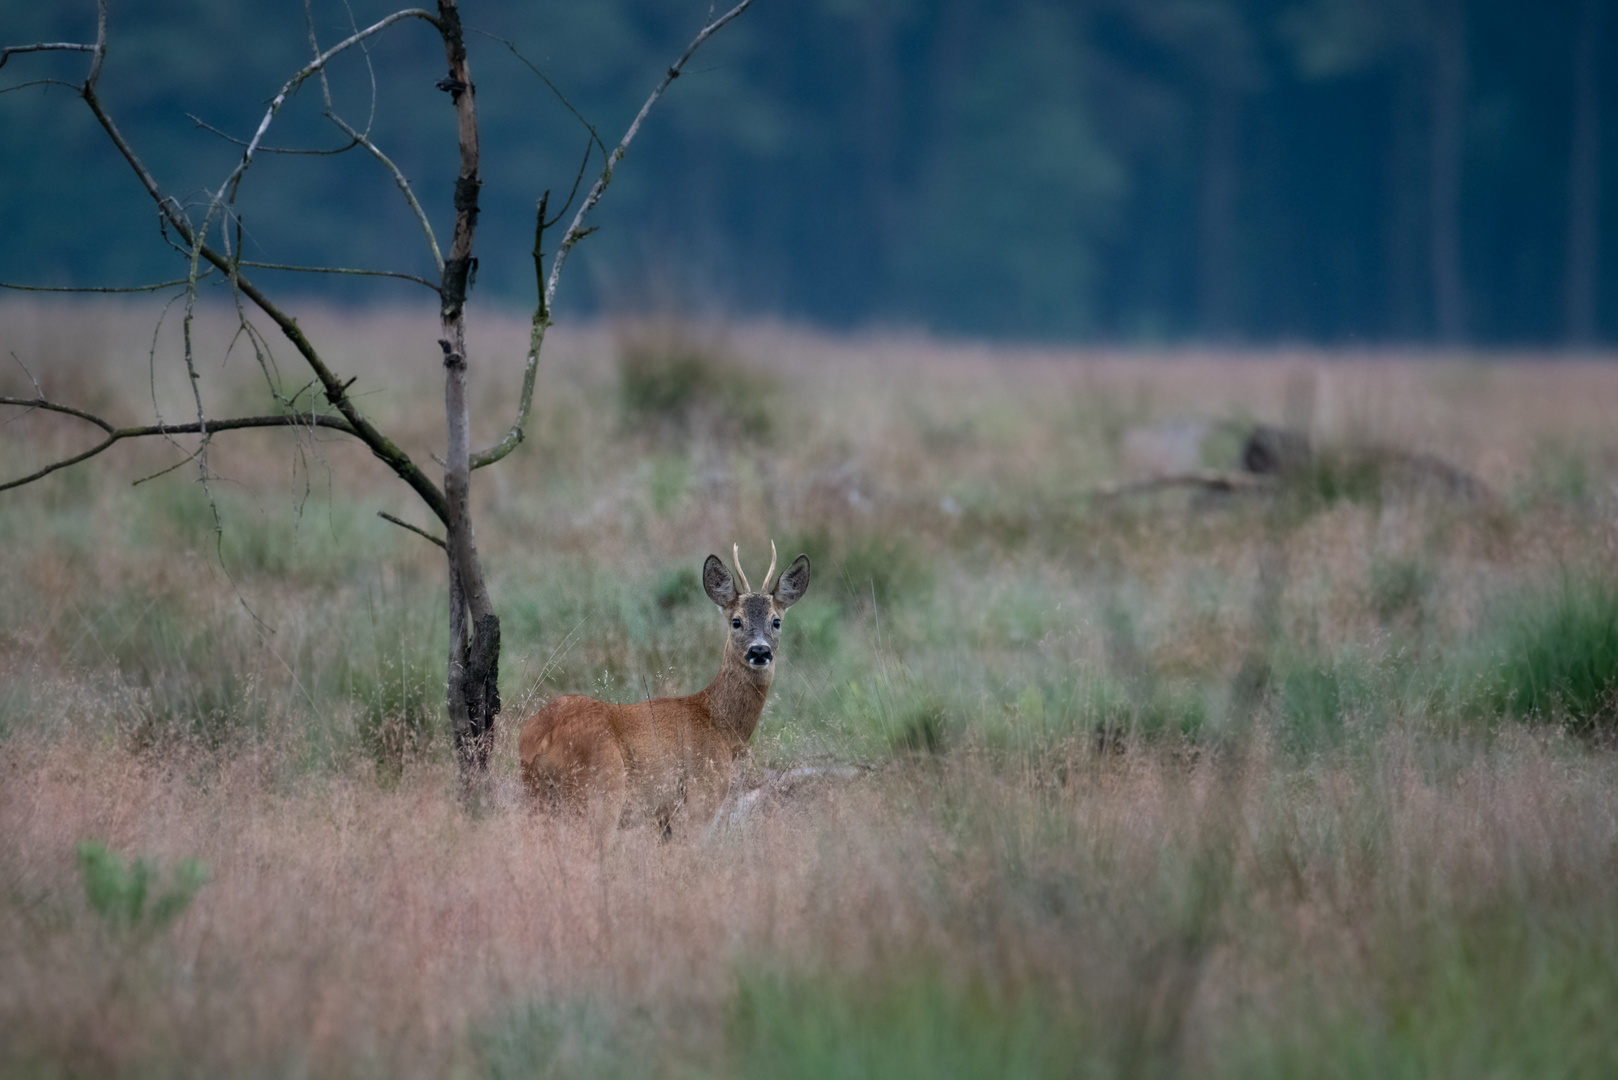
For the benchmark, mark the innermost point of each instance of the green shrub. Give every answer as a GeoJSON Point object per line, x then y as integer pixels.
{"type": "Point", "coordinates": [1399, 589]}
{"type": "Point", "coordinates": [1314, 699]}
{"type": "Point", "coordinates": [188, 676]}
{"type": "Point", "coordinates": [923, 727]}
{"type": "Point", "coordinates": [677, 586]}
{"type": "Point", "coordinates": [896, 1024]}
{"type": "Point", "coordinates": [118, 891]}
{"type": "Point", "coordinates": [1559, 473]}
{"type": "Point", "coordinates": [1164, 711]}
{"type": "Point", "coordinates": [1345, 474]}
{"type": "Point", "coordinates": [398, 690]}
{"type": "Point", "coordinates": [862, 569]}
{"type": "Point", "coordinates": [571, 1039]}
{"type": "Point", "coordinates": [681, 387]}
{"type": "Point", "coordinates": [810, 632]}
{"type": "Point", "coordinates": [1557, 657]}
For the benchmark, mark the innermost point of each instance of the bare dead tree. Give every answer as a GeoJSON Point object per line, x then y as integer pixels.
{"type": "Point", "coordinates": [472, 692]}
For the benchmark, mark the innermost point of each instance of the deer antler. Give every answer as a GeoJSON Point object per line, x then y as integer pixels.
{"type": "Point", "coordinates": [736, 561]}
{"type": "Point", "coordinates": [771, 570]}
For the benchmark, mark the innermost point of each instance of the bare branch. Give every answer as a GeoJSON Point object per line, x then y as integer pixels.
{"type": "Point", "coordinates": [536, 340]}
{"type": "Point", "coordinates": [159, 474]}
{"type": "Point", "coordinates": [116, 434]}
{"type": "Point", "coordinates": [576, 232]}
{"type": "Point", "coordinates": [362, 138]}
{"type": "Point", "coordinates": [51, 406]}
{"type": "Point", "coordinates": [40, 82]}
{"type": "Point", "coordinates": [293, 150]}
{"type": "Point", "coordinates": [303, 74]}
{"type": "Point", "coordinates": [403, 184]}
{"type": "Point", "coordinates": [338, 270]}
{"type": "Point", "coordinates": [97, 289]}
{"type": "Point", "coordinates": [44, 46]}
{"type": "Point", "coordinates": [335, 389]}
{"type": "Point", "coordinates": [385, 516]}
{"type": "Point", "coordinates": [100, 51]}
{"type": "Point", "coordinates": [568, 105]}
{"type": "Point", "coordinates": [28, 373]}
{"type": "Point", "coordinates": [226, 195]}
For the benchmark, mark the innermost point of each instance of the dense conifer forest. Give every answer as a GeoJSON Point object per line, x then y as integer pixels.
{"type": "Point", "coordinates": [1235, 171]}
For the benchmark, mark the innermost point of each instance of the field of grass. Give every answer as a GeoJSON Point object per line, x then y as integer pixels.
{"type": "Point", "coordinates": [1314, 779]}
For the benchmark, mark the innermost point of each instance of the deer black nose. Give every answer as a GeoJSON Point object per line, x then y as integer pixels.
{"type": "Point", "coordinates": [758, 655]}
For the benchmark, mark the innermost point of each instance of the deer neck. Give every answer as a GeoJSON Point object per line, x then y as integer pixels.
{"type": "Point", "coordinates": [735, 698]}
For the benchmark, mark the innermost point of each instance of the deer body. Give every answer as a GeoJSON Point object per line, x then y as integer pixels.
{"type": "Point", "coordinates": [666, 757]}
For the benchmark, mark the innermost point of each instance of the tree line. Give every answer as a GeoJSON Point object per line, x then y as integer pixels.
{"type": "Point", "coordinates": [1336, 171]}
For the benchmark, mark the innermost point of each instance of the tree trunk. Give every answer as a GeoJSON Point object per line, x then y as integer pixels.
{"type": "Point", "coordinates": [1584, 180]}
{"type": "Point", "coordinates": [472, 692]}
{"type": "Point", "coordinates": [1448, 123]}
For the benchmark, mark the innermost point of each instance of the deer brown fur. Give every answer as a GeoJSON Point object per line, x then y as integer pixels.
{"type": "Point", "coordinates": [667, 758]}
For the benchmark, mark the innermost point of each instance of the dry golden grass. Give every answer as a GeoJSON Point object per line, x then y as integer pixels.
{"type": "Point", "coordinates": [1169, 916]}
{"type": "Point", "coordinates": [1362, 875]}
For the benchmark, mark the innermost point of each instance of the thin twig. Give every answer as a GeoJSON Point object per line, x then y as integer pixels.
{"type": "Point", "coordinates": [338, 270]}
{"type": "Point", "coordinates": [330, 151]}
{"type": "Point", "coordinates": [362, 138]}
{"type": "Point", "coordinates": [166, 470]}
{"type": "Point", "coordinates": [226, 195]}
{"type": "Point", "coordinates": [403, 184]}
{"type": "Point", "coordinates": [39, 82]}
{"type": "Point", "coordinates": [297, 80]}
{"type": "Point", "coordinates": [383, 447]}
{"type": "Point", "coordinates": [28, 373]}
{"type": "Point", "coordinates": [99, 289]}
{"type": "Point", "coordinates": [553, 88]}
{"type": "Point", "coordinates": [576, 232]}
{"type": "Point", "coordinates": [385, 516]}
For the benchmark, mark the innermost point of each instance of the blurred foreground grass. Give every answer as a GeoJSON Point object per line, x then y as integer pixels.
{"type": "Point", "coordinates": [1163, 781]}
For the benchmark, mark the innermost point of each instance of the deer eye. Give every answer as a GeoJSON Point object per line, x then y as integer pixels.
{"type": "Point", "coordinates": [735, 624]}
{"type": "Point", "coordinates": [777, 623]}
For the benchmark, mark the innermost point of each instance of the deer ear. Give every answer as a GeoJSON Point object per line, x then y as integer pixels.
{"type": "Point", "coordinates": [717, 582]}
{"type": "Point", "coordinates": [793, 583]}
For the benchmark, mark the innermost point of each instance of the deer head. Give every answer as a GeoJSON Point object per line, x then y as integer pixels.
{"type": "Point", "coordinates": [754, 617]}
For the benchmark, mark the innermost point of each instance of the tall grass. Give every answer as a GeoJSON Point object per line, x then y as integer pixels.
{"type": "Point", "coordinates": [1556, 656]}
{"type": "Point", "coordinates": [1167, 785]}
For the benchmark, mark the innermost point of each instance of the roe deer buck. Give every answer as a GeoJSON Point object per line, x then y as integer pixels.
{"type": "Point", "coordinates": [655, 758]}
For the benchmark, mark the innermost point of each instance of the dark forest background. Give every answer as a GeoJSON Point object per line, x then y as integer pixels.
{"type": "Point", "coordinates": [1337, 171]}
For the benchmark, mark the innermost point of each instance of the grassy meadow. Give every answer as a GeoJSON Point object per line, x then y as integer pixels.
{"type": "Point", "coordinates": [1096, 776]}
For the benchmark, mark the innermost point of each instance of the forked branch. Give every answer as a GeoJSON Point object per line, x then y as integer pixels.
{"type": "Point", "coordinates": [336, 390]}
{"type": "Point", "coordinates": [577, 231]}
{"type": "Point", "coordinates": [315, 66]}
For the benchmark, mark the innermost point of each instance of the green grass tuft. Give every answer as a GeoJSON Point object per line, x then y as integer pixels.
{"type": "Point", "coordinates": [679, 387]}
{"type": "Point", "coordinates": [893, 1025]}
{"type": "Point", "coordinates": [1557, 657]}
{"type": "Point", "coordinates": [118, 891]}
